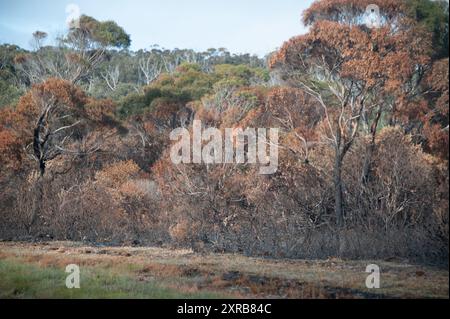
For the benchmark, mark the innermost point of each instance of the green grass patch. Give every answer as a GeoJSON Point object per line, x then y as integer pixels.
{"type": "Point", "coordinates": [23, 280]}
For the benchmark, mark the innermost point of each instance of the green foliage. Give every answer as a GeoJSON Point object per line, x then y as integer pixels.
{"type": "Point", "coordinates": [9, 94]}
{"type": "Point", "coordinates": [239, 75]}
{"type": "Point", "coordinates": [133, 103]}
{"type": "Point", "coordinates": [434, 15]}
{"type": "Point", "coordinates": [106, 34]}
{"type": "Point", "coordinates": [100, 91]}
{"type": "Point", "coordinates": [189, 83]}
{"type": "Point", "coordinates": [110, 34]}
{"type": "Point", "coordinates": [242, 71]}
{"type": "Point", "coordinates": [9, 90]}
{"type": "Point", "coordinates": [8, 52]}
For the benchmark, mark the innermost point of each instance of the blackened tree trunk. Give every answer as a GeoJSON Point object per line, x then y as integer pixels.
{"type": "Point", "coordinates": [370, 150]}
{"type": "Point", "coordinates": [37, 204]}
{"type": "Point", "coordinates": [338, 194]}
{"type": "Point", "coordinates": [337, 179]}
{"type": "Point", "coordinates": [38, 145]}
{"type": "Point", "coordinates": [341, 149]}
{"type": "Point", "coordinates": [339, 200]}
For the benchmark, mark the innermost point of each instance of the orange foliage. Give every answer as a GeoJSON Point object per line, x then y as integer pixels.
{"type": "Point", "coordinates": [57, 91]}
{"type": "Point", "coordinates": [116, 174]}
{"type": "Point", "coordinates": [438, 82]}
{"type": "Point", "coordinates": [347, 10]}
{"type": "Point", "coordinates": [374, 57]}
{"type": "Point", "coordinates": [437, 140]}
{"type": "Point", "coordinates": [100, 110]}
{"type": "Point", "coordinates": [10, 149]}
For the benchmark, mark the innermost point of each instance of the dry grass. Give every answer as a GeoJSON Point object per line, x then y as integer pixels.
{"type": "Point", "coordinates": [238, 276]}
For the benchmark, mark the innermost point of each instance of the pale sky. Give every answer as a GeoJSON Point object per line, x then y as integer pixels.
{"type": "Point", "coordinates": [241, 26]}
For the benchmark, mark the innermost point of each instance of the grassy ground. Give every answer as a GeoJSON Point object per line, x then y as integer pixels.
{"type": "Point", "coordinates": [38, 271]}
{"type": "Point", "coordinates": [21, 280]}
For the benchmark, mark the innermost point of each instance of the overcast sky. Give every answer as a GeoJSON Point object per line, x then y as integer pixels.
{"type": "Point", "coordinates": [253, 26]}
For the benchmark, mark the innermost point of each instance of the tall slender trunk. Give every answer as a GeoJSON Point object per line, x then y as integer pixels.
{"type": "Point", "coordinates": [338, 195]}
{"type": "Point", "coordinates": [365, 176]}
{"type": "Point", "coordinates": [337, 179]}
{"type": "Point", "coordinates": [38, 148]}
{"type": "Point", "coordinates": [339, 202]}
{"type": "Point", "coordinates": [340, 151]}
{"type": "Point", "coordinates": [37, 204]}
{"type": "Point", "coordinates": [370, 149]}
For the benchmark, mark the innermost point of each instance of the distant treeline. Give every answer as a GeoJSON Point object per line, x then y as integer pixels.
{"type": "Point", "coordinates": [118, 73]}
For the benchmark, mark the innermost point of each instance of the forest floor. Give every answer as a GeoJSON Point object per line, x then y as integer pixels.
{"type": "Point", "coordinates": [37, 270]}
